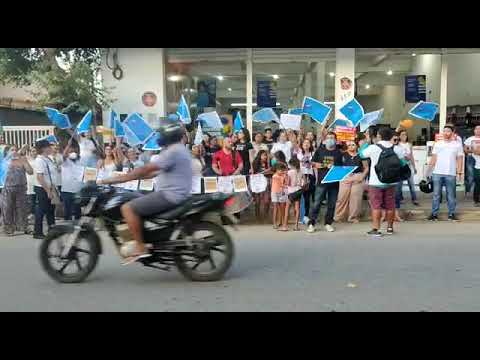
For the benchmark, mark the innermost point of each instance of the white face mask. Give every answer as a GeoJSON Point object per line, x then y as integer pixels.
{"type": "Point", "coordinates": [73, 156]}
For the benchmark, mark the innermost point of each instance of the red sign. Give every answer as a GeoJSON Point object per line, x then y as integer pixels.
{"type": "Point", "coordinates": [345, 133]}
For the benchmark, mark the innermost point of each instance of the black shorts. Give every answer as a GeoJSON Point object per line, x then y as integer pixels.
{"type": "Point", "coordinates": [151, 204]}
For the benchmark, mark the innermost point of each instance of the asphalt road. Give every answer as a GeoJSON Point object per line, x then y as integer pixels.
{"type": "Point", "coordinates": [424, 267]}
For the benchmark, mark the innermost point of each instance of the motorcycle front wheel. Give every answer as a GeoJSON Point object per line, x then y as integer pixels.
{"type": "Point", "coordinates": [78, 264]}
{"type": "Point", "coordinates": [213, 253]}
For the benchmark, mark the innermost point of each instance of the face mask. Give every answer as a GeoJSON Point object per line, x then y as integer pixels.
{"type": "Point", "coordinates": [274, 162]}
{"type": "Point", "coordinates": [330, 143]}
{"type": "Point", "coordinates": [73, 156]}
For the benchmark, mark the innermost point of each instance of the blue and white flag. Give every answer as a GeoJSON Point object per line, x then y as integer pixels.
{"type": "Point", "coordinates": [183, 111]}
{"type": "Point", "coordinates": [4, 165]}
{"type": "Point", "coordinates": [338, 174]}
{"type": "Point", "coordinates": [52, 139]}
{"type": "Point", "coordinates": [112, 119]}
{"type": "Point", "coordinates": [85, 124]}
{"type": "Point", "coordinates": [265, 115]}
{"type": "Point", "coordinates": [152, 143]}
{"type": "Point", "coordinates": [371, 119]}
{"type": "Point", "coordinates": [62, 121]}
{"type": "Point", "coordinates": [297, 111]}
{"type": "Point", "coordinates": [424, 111]}
{"type": "Point", "coordinates": [198, 136]}
{"type": "Point", "coordinates": [130, 137]}
{"type": "Point", "coordinates": [340, 122]}
{"type": "Point", "coordinates": [138, 126]}
{"type": "Point", "coordinates": [353, 111]}
{"type": "Point", "coordinates": [210, 120]}
{"type": "Point", "coordinates": [118, 129]}
{"type": "Point", "coordinates": [317, 110]}
{"type": "Point", "coordinates": [238, 123]}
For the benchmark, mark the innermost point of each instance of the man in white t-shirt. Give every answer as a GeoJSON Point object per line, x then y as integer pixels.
{"type": "Point", "coordinates": [381, 196]}
{"type": "Point", "coordinates": [472, 149]}
{"type": "Point", "coordinates": [447, 155]}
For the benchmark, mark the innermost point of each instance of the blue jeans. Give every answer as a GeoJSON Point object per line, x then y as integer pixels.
{"type": "Point", "coordinates": [331, 192]}
{"type": "Point", "coordinates": [469, 173]}
{"type": "Point", "coordinates": [70, 208]}
{"type": "Point", "coordinates": [450, 183]}
{"type": "Point", "coordinates": [398, 191]}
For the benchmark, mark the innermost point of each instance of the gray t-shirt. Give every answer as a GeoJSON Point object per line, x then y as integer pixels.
{"type": "Point", "coordinates": [175, 176]}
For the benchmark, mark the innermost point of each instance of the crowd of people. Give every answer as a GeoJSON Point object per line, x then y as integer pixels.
{"type": "Point", "coordinates": [40, 180]}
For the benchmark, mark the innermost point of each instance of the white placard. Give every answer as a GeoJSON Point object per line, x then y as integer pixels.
{"type": "Point", "coordinates": [116, 174]}
{"type": "Point", "coordinates": [240, 183]}
{"type": "Point", "coordinates": [146, 185]}
{"type": "Point", "coordinates": [196, 185]}
{"type": "Point", "coordinates": [211, 185]}
{"type": "Point", "coordinates": [131, 185]}
{"type": "Point", "coordinates": [90, 174]}
{"type": "Point", "coordinates": [258, 183]}
{"type": "Point", "coordinates": [290, 121]}
{"type": "Point", "coordinates": [225, 184]}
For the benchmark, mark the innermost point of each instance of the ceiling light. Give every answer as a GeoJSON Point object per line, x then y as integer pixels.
{"type": "Point", "coordinates": [220, 77]}
{"type": "Point", "coordinates": [390, 72]}
{"type": "Point", "coordinates": [414, 54]}
{"type": "Point", "coordinates": [332, 74]}
{"type": "Point", "coordinates": [276, 77]}
{"type": "Point", "coordinates": [174, 78]}
{"type": "Point", "coordinates": [243, 104]}
{"type": "Point", "coordinates": [367, 86]}
{"type": "Point", "coordinates": [229, 89]}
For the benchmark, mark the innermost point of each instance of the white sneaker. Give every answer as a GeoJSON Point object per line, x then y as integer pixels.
{"type": "Point", "coordinates": [306, 220]}
{"type": "Point", "coordinates": [311, 229]}
{"type": "Point", "coordinates": [329, 228]}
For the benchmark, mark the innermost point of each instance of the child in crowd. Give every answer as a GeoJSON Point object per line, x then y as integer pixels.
{"type": "Point", "coordinates": [279, 197]}
{"type": "Point", "coordinates": [295, 191]}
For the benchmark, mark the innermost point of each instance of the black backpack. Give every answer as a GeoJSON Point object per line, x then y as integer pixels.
{"type": "Point", "coordinates": [389, 168]}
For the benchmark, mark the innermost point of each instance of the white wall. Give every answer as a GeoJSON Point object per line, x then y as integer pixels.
{"type": "Point", "coordinates": [143, 70]}
{"type": "Point", "coordinates": [463, 79]}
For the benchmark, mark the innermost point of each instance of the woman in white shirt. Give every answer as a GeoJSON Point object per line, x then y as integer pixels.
{"type": "Point", "coordinates": [109, 164]}
{"type": "Point", "coordinates": [198, 163]}
{"type": "Point", "coordinates": [407, 147]}
{"type": "Point", "coordinates": [305, 158]}
{"type": "Point", "coordinates": [283, 146]}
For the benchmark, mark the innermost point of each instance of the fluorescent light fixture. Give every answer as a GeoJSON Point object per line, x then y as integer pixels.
{"type": "Point", "coordinates": [367, 86]}
{"type": "Point", "coordinates": [276, 77]}
{"type": "Point", "coordinates": [414, 54]}
{"type": "Point", "coordinates": [390, 72]}
{"type": "Point", "coordinates": [174, 78]}
{"type": "Point", "coordinates": [332, 74]}
{"type": "Point", "coordinates": [220, 77]}
{"type": "Point", "coordinates": [229, 89]}
{"type": "Point", "coordinates": [243, 104]}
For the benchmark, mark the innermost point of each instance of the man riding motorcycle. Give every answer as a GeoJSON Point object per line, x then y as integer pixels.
{"type": "Point", "coordinates": [172, 173]}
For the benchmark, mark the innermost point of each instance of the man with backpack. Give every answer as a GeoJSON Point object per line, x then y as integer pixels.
{"type": "Point", "coordinates": [386, 170]}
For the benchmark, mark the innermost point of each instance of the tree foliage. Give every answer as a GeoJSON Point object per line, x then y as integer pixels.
{"type": "Point", "coordinates": [66, 78]}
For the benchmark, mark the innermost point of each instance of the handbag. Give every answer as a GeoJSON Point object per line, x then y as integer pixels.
{"type": "Point", "coordinates": [56, 199]}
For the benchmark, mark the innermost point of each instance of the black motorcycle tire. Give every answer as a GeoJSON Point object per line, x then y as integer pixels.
{"type": "Point", "coordinates": [82, 275]}
{"type": "Point", "coordinates": [219, 272]}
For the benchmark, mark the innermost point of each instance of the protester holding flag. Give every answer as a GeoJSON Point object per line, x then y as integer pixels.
{"type": "Point", "coordinates": [243, 147]}
{"type": "Point", "coordinates": [47, 193]}
{"type": "Point", "coordinates": [71, 184]}
{"type": "Point", "coordinates": [227, 161]}
{"type": "Point", "coordinates": [14, 193]}
{"type": "Point", "coordinates": [350, 195]}
{"type": "Point", "coordinates": [88, 150]}
{"type": "Point", "coordinates": [323, 160]}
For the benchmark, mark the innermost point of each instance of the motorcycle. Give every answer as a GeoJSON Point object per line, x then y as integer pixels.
{"type": "Point", "coordinates": [190, 236]}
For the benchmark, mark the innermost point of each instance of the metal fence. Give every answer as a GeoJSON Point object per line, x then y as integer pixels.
{"type": "Point", "coordinates": [21, 135]}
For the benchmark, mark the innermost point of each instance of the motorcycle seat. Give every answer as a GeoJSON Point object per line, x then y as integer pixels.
{"type": "Point", "coordinates": [182, 208]}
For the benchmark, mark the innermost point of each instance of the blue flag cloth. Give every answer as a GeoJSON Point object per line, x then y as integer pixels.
{"type": "Point", "coordinates": [371, 119]}
{"type": "Point", "coordinates": [130, 137]}
{"type": "Point", "coordinates": [297, 111]}
{"type": "Point", "coordinates": [138, 126]}
{"type": "Point", "coordinates": [112, 119]}
{"type": "Point", "coordinates": [85, 124]}
{"type": "Point", "coordinates": [317, 110]}
{"type": "Point", "coordinates": [4, 165]}
{"type": "Point", "coordinates": [340, 122]}
{"type": "Point", "coordinates": [238, 124]}
{"type": "Point", "coordinates": [62, 121]}
{"type": "Point", "coordinates": [183, 111]}
{"type": "Point", "coordinates": [50, 138]}
{"type": "Point", "coordinates": [353, 111]}
{"type": "Point", "coordinates": [119, 130]}
{"type": "Point", "coordinates": [173, 117]}
{"type": "Point", "coordinates": [152, 143]}
{"type": "Point", "coordinates": [265, 115]}
{"type": "Point", "coordinates": [210, 120]}
{"type": "Point", "coordinates": [338, 174]}
{"type": "Point", "coordinates": [424, 110]}
{"type": "Point", "coordinates": [198, 136]}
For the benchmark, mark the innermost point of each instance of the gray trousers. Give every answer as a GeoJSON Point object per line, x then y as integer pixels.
{"type": "Point", "coordinates": [14, 208]}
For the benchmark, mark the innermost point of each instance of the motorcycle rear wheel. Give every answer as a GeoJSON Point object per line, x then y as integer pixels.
{"type": "Point", "coordinates": [208, 239]}
{"type": "Point", "coordinates": [86, 248]}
